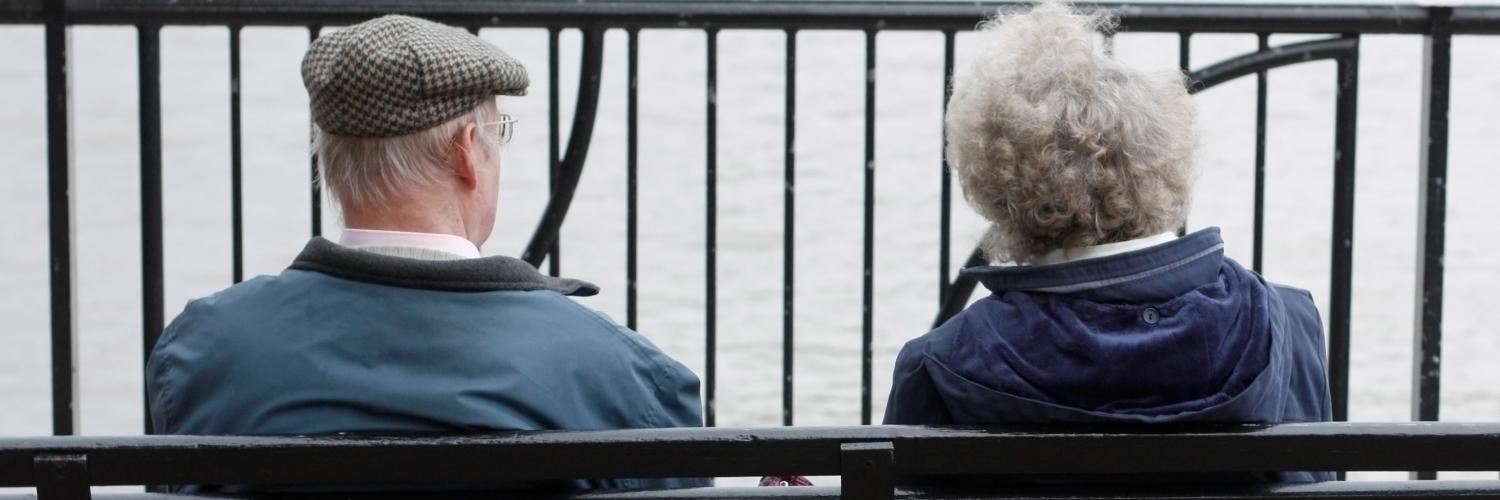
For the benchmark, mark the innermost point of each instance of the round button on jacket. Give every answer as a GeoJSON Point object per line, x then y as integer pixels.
{"type": "Point", "coordinates": [1150, 315]}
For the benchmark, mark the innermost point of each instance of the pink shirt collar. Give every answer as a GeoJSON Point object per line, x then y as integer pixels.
{"type": "Point", "coordinates": [445, 243]}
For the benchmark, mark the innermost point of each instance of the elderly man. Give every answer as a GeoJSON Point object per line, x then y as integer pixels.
{"type": "Point", "coordinates": [402, 326]}
{"type": "Point", "coordinates": [1084, 168]}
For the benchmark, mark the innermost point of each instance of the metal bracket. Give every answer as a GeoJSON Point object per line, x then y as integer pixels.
{"type": "Point", "coordinates": [868, 470]}
{"type": "Point", "coordinates": [62, 477]}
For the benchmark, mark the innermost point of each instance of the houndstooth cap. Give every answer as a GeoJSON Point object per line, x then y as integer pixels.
{"type": "Point", "coordinates": [396, 75]}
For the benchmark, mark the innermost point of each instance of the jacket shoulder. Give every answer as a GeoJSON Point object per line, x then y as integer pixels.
{"type": "Point", "coordinates": [201, 313]}
{"type": "Point", "coordinates": [595, 328]}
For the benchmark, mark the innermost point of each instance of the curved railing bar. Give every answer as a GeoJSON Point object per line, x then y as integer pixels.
{"type": "Point", "coordinates": [960, 289]}
{"type": "Point", "coordinates": [1197, 81]}
{"type": "Point", "coordinates": [1276, 57]}
{"type": "Point", "coordinates": [571, 168]}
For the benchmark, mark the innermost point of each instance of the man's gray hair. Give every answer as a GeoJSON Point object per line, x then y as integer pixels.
{"type": "Point", "coordinates": [1059, 146]}
{"type": "Point", "coordinates": [361, 171]}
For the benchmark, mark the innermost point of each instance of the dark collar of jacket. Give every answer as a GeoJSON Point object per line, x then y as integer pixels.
{"type": "Point", "coordinates": [1146, 275]}
{"type": "Point", "coordinates": [484, 274]}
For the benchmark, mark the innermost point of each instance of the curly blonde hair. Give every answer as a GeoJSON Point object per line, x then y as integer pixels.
{"type": "Point", "coordinates": [1059, 146]}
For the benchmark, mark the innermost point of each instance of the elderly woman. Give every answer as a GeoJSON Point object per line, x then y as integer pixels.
{"type": "Point", "coordinates": [1084, 168]}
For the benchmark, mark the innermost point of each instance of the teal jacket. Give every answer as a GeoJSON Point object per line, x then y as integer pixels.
{"type": "Point", "coordinates": [346, 341]}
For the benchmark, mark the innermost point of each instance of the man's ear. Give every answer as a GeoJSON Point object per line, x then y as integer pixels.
{"type": "Point", "coordinates": [466, 156]}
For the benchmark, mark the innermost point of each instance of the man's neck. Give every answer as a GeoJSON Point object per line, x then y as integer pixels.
{"type": "Point", "coordinates": [418, 219]}
{"type": "Point", "coordinates": [427, 246]}
{"type": "Point", "coordinates": [405, 226]}
{"type": "Point", "coordinates": [417, 224]}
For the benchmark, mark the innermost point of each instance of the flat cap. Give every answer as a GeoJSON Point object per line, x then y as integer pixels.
{"type": "Point", "coordinates": [396, 75]}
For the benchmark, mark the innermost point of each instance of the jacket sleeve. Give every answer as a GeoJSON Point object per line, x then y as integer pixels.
{"type": "Point", "coordinates": [914, 400]}
{"type": "Point", "coordinates": [1308, 385]}
{"type": "Point", "coordinates": [678, 394]}
{"type": "Point", "coordinates": [676, 403]}
{"type": "Point", "coordinates": [161, 391]}
{"type": "Point", "coordinates": [1309, 399]}
{"type": "Point", "coordinates": [681, 407]}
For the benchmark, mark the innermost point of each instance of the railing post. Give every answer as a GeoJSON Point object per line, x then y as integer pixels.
{"type": "Point", "coordinates": [554, 138]}
{"type": "Point", "coordinates": [236, 162]}
{"type": "Point", "coordinates": [868, 470]}
{"type": "Point", "coordinates": [632, 189]}
{"type": "Point", "coordinates": [711, 225]}
{"type": "Point", "coordinates": [64, 303]}
{"type": "Point", "coordinates": [789, 229]}
{"type": "Point", "coordinates": [1262, 82]}
{"type": "Point", "coordinates": [62, 477]}
{"type": "Point", "coordinates": [316, 193]}
{"type": "Point", "coordinates": [945, 188]}
{"type": "Point", "coordinates": [1185, 52]}
{"type": "Point", "coordinates": [152, 302]}
{"type": "Point", "coordinates": [1431, 220]}
{"type": "Point", "coordinates": [867, 350]}
{"type": "Point", "coordinates": [1346, 115]}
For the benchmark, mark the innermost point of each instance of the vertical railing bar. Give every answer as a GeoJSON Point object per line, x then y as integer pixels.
{"type": "Point", "coordinates": [1346, 112]}
{"type": "Point", "coordinates": [1184, 64]}
{"type": "Point", "coordinates": [236, 157]}
{"type": "Point", "coordinates": [317, 188]}
{"type": "Point", "coordinates": [631, 173]}
{"type": "Point", "coordinates": [789, 227]}
{"type": "Point", "coordinates": [945, 198]}
{"type": "Point", "coordinates": [868, 327]}
{"type": "Point", "coordinates": [1262, 83]}
{"type": "Point", "coordinates": [60, 214]}
{"type": "Point", "coordinates": [554, 140]}
{"type": "Point", "coordinates": [711, 194]}
{"type": "Point", "coordinates": [1109, 44]}
{"type": "Point", "coordinates": [1185, 51]}
{"type": "Point", "coordinates": [1432, 206]}
{"type": "Point", "coordinates": [152, 303]}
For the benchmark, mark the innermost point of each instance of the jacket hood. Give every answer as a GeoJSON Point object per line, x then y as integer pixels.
{"type": "Point", "coordinates": [1175, 332]}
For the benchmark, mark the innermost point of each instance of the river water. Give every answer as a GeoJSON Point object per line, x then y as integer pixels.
{"type": "Point", "coordinates": [672, 206]}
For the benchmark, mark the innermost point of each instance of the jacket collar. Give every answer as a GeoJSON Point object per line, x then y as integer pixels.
{"type": "Point", "coordinates": [1155, 273]}
{"type": "Point", "coordinates": [469, 275]}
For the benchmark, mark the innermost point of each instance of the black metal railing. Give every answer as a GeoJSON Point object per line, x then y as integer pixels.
{"type": "Point", "coordinates": [868, 459]}
{"type": "Point", "coordinates": [1436, 25]}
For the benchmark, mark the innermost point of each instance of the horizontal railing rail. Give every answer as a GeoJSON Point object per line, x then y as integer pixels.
{"type": "Point", "coordinates": [802, 14]}
{"type": "Point", "coordinates": [868, 458]}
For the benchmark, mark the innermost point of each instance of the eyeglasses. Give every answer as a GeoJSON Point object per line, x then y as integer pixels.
{"type": "Point", "coordinates": [503, 129]}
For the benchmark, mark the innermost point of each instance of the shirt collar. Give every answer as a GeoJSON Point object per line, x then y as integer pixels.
{"type": "Point", "coordinates": [444, 243]}
{"type": "Point", "coordinates": [495, 273]}
{"type": "Point", "coordinates": [1158, 271]}
{"type": "Point", "coordinates": [1062, 255]}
